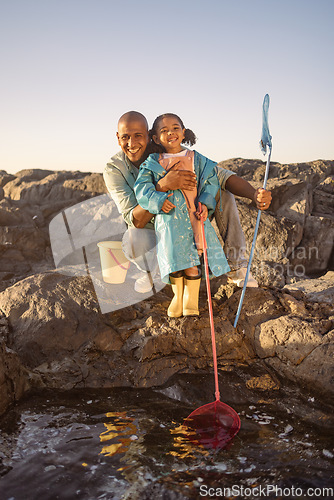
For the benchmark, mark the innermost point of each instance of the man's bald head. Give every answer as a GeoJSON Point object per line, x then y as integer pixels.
{"type": "Point", "coordinates": [132, 116]}
{"type": "Point", "coordinates": [133, 136]}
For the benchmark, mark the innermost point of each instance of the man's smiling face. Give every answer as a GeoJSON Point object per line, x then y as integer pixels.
{"type": "Point", "coordinates": [133, 138]}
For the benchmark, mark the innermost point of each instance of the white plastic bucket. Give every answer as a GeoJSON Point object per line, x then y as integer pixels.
{"type": "Point", "coordinates": [114, 264]}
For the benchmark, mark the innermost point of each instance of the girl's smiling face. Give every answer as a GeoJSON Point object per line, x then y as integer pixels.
{"type": "Point", "coordinates": [170, 134]}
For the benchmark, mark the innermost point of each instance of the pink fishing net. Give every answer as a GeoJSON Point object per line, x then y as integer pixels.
{"type": "Point", "coordinates": [212, 425]}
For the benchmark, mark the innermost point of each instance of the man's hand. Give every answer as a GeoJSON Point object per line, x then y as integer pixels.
{"type": "Point", "coordinates": [240, 187]}
{"type": "Point", "coordinates": [167, 205]}
{"type": "Point", "coordinates": [177, 179]}
{"type": "Point", "coordinates": [203, 213]}
{"type": "Point", "coordinates": [262, 198]}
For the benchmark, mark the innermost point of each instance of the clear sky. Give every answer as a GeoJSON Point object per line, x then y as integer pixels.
{"type": "Point", "coordinates": [70, 68]}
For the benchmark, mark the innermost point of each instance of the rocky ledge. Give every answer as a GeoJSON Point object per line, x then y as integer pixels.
{"type": "Point", "coordinates": [55, 334]}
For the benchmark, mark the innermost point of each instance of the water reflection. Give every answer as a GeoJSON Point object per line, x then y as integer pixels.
{"type": "Point", "coordinates": [122, 431]}
{"type": "Point", "coordinates": [71, 446]}
{"type": "Point", "coordinates": [182, 446]}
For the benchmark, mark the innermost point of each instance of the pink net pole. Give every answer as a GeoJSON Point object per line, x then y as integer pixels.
{"type": "Point", "coordinates": [213, 336]}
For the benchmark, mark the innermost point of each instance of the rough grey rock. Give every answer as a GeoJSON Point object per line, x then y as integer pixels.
{"type": "Point", "coordinates": [299, 222]}
{"type": "Point", "coordinates": [57, 336]}
{"type": "Point", "coordinates": [31, 199]}
{"type": "Point", "coordinates": [298, 341]}
{"type": "Point", "coordinates": [313, 253]}
{"type": "Point", "coordinates": [61, 339]}
{"type": "Point", "coordinates": [14, 379]}
{"type": "Point", "coordinates": [316, 290]}
{"type": "Point", "coordinates": [295, 237]}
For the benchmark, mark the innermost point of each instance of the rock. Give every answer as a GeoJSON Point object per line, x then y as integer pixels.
{"type": "Point", "coordinates": [14, 378]}
{"type": "Point", "coordinates": [314, 172]}
{"type": "Point", "coordinates": [276, 240]}
{"type": "Point", "coordinates": [292, 199]}
{"type": "Point", "coordinates": [33, 174]}
{"type": "Point", "coordinates": [323, 198]}
{"type": "Point", "coordinates": [313, 253]}
{"type": "Point", "coordinates": [62, 340]}
{"type": "Point", "coordinates": [262, 383]}
{"type": "Point", "coordinates": [316, 290]}
{"type": "Point", "coordinates": [33, 197]}
{"type": "Point", "coordinates": [29, 241]}
{"type": "Point", "coordinates": [290, 339]}
{"type": "Point", "coordinates": [299, 349]}
{"type": "Point", "coordinates": [56, 316]}
{"type": "Point", "coordinates": [302, 205]}
{"type": "Point", "coordinates": [297, 307]}
{"type": "Point", "coordinates": [292, 334]}
{"type": "Point", "coordinates": [43, 187]}
{"type": "Point", "coordinates": [4, 178]}
{"type": "Point", "coordinates": [57, 336]}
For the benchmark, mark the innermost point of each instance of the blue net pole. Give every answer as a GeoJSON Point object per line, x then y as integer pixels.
{"type": "Point", "coordinates": [265, 141]}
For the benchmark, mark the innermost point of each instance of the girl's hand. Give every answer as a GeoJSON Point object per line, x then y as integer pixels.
{"type": "Point", "coordinates": [167, 205]}
{"type": "Point", "coordinates": [203, 214]}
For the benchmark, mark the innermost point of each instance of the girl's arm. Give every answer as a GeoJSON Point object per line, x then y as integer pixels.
{"type": "Point", "coordinates": [167, 205]}
{"type": "Point", "coordinates": [147, 196]}
{"type": "Point", "coordinates": [203, 213]}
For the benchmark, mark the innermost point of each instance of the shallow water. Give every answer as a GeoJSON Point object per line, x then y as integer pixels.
{"type": "Point", "coordinates": [125, 443]}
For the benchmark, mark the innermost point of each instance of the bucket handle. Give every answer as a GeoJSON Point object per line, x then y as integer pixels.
{"type": "Point", "coordinates": [117, 262]}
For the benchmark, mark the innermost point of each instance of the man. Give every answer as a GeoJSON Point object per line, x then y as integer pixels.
{"type": "Point", "coordinates": [139, 240]}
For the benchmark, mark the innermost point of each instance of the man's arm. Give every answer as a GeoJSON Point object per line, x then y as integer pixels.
{"type": "Point", "coordinates": [140, 217]}
{"type": "Point", "coordinates": [124, 197]}
{"type": "Point", "coordinates": [240, 187]}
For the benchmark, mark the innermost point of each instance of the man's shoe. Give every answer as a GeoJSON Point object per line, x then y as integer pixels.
{"type": "Point", "coordinates": [144, 284]}
{"type": "Point", "coordinates": [238, 278]}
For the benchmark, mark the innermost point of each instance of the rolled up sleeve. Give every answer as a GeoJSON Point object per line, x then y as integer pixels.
{"type": "Point", "coordinates": [209, 191]}
{"type": "Point", "coordinates": [120, 191]}
{"type": "Point", "coordinates": [223, 174]}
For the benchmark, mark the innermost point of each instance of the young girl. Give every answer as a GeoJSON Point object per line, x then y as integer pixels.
{"type": "Point", "coordinates": [178, 218]}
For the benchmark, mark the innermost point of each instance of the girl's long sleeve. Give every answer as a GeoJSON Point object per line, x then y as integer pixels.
{"type": "Point", "coordinates": [147, 196]}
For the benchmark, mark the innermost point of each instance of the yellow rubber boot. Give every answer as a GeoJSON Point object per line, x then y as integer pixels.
{"type": "Point", "coordinates": [176, 306]}
{"type": "Point", "coordinates": [190, 296]}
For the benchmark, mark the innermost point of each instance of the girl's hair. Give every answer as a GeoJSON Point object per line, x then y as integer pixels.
{"type": "Point", "coordinates": [189, 136]}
